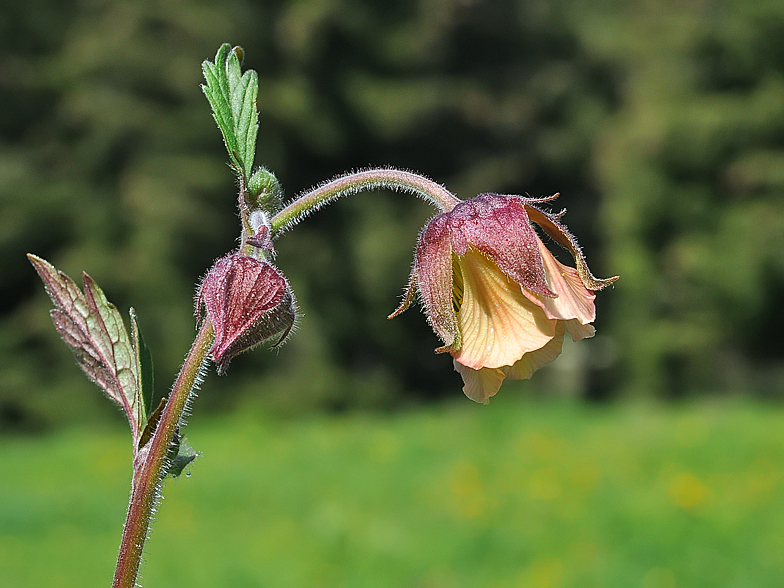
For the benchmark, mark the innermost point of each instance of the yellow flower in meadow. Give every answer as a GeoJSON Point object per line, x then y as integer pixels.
{"type": "Point", "coordinates": [495, 295]}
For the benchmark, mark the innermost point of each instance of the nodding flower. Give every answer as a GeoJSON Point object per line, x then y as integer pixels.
{"type": "Point", "coordinates": [493, 292]}
{"type": "Point", "coordinates": [249, 302]}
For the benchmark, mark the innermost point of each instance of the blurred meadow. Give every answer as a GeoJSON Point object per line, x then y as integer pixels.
{"type": "Point", "coordinates": [650, 455]}
{"type": "Point", "coordinates": [520, 494]}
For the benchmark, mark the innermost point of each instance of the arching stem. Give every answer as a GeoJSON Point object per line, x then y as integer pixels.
{"type": "Point", "coordinates": [371, 179]}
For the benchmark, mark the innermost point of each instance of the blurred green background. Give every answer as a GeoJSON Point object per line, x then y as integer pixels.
{"type": "Point", "coordinates": [661, 124]}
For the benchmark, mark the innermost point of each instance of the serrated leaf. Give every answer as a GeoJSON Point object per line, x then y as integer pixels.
{"type": "Point", "coordinates": [232, 96]}
{"type": "Point", "coordinates": [94, 329]}
{"type": "Point", "coordinates": [143, 358]}
{"type": "Point", "coordinates": [179, 456]}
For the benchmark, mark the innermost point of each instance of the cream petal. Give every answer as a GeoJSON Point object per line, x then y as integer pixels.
{"type": "Point", "coordinates": [530, 362]}
{"type": "Point", "coordinates": [498, 323]}
{"type": "Point", "coordinates": [574, 300]}
{"type": "Point", "coordinates": [579, 331]}
{"type": "Point", "coordinates": [480, 385]}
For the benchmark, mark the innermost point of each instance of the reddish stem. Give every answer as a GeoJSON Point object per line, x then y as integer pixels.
{"type": "Point", "coordinates": [149, 463]}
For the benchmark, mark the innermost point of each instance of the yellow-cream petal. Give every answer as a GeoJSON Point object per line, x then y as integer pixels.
{"type": "Point", "coordinates": [497, 322]}
{"type": "Point", "coordinates": [480, 385]}
{"type": "Point", "coordinates": [579, 331]}
{"type": "Point", "coordinates": [573, 300]}
{"type": "Point", "coordinates": [530, 362]}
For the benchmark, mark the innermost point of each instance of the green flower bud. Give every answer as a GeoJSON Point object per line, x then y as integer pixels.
{"type": "Point", "coordinates": [263, 191]}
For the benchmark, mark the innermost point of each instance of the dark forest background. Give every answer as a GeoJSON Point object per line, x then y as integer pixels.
{"type": "Point", "coordinates": [660, 123]}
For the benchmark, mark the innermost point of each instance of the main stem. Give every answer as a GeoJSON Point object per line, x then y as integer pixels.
{"type": "Point", "coordinates": [370, 179]}
{"type": "Point", "coordinates": [150, 461]}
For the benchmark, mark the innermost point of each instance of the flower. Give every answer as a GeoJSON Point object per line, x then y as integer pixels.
{"type": "Point", "coordinates": [493, 292]}
{"type": "Point", "coordinates": [248, 301]}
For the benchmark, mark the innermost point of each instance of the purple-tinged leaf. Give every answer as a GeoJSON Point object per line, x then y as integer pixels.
{"type": "Point", "coordinates": [94, 329]}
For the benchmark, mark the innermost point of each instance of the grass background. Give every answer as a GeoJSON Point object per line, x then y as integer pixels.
{"type": "Point", "coordinates": [520, 493]}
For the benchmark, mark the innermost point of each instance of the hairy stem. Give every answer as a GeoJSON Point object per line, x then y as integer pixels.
{"type": "Point", "coordinates": [150, 463]}
{"type": "Point", "coordinates": [371, 179]}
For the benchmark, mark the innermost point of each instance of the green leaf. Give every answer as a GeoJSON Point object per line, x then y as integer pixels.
{"type": "Point", "coordinates": [152, 422]}
{"type": "Point", "coordinates": [232, 96]}
{"type": "Point", "coordinates": [94, 329]}
{"type": "Point", "coordinates": [179, 463]}
{"type": "Point", "coordinates": [144, 365]}
{"type": "Point", "coordinates": [179, 456]}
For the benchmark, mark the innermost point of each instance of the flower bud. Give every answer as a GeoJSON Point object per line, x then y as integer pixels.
{"type": "Point", "coordinates": [264, 190]}
{"type": "Point", "coordinates": [248, 301]}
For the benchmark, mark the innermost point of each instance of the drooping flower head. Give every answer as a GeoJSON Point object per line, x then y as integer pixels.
{"type": "Point", "coordinates": [248, 302]}
{"type": "Point", "coordinates": [493, 292]}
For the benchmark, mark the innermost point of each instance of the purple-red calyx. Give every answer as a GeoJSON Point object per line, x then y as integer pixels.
{"type": "Point", "coordinates": [495, 295]}
{"type": "Point", "coordinates": [248, 301]}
